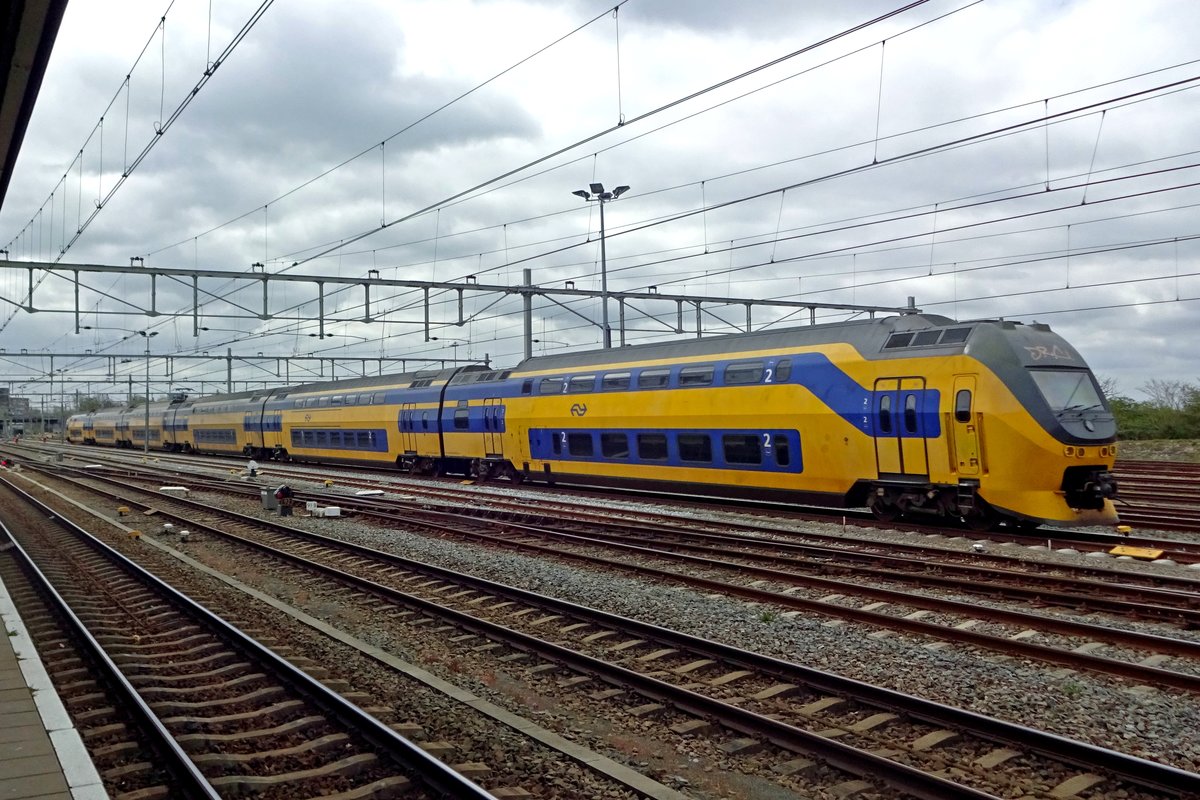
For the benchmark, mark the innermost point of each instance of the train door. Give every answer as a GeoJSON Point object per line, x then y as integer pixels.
{"type": "Point", "coordinates": [965, 426]}
{"type": "Point", "coordinates": [900, 428]}
{"type": "Point", "coordinates": [493, 426]}
{"type": "Point", "coordinates": [408, 426]}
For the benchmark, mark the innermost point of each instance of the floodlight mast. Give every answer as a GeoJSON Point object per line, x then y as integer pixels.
{"type": "Point", "coordinates": [599, 196]}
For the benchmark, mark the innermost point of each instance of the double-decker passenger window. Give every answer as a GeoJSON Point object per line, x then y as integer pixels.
{"type": "Point", "coordinates": [462, 419]}
{"type": "Point", "coordinates": [696, 376]}
{"type": "Point", "coordinates": [741, 448]}
{"type": "Point", "coordinates": [579, 444]}
{"type": "Point", "coordinates": [582, 383]}
{"type": "Point", "coordinates": [615, 382]}
{"type": "Point", "coordinates": [745, 372]}
{"type": "Point", "coordinates": [653, 378]}
{"type": "Point", "coordinates": [695, 447]}
{"type": "Point", "coordinates": [550, 386]}
{"type": "Point", "coordinates": [652, 446]}
{"type": "Point", "coordinates": [614, 445]}
{"type": "Point", "coordinates": [783, 456]}
{"type": "Point", "coordinates": [885, 413]}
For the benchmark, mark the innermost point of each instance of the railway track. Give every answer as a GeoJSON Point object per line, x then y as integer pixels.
{"type": "Point", "coordinates": [1174, 549]}
{"type": "Point", "coordinates": [827, 572]}
{"type": "Point", "coordinates": [169, 683]}
{"type": "Point", "coordinates": [1160, 494]}
{"type": "Point", "coordinates": [668, 663]}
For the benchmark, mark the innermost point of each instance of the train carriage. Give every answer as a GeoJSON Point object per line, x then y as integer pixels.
{"type": "Point", "coordinates": [75, 428]}
{"type": "Point", "coordinates": [985, 420]}
{"type": "Point", "coordinates": [915, 413]}
{"type": "Point", "coordinates": [218, 424]}
{"type": "Point", "coordinates": [473, 420]}
{"type": "Point", "coordinates": [357, 421]}
{"type": "Point", "coordinates": [104, 428]}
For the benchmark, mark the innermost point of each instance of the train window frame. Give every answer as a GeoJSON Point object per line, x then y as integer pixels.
{"type": "Point", "coordinates": [956, 335]}
{"type": "Point", "coordinates": [336, 400]}
{"type": "Point", "coordinates": [581, 384]}
{"type": "Point", "coordinates": [379, 398]}
{"type": "Point", "coordinates": [701, 375]}
{"type": "Point", "coordinates": [898, 340]}
{"type": "Point", "coordinates": [425, 419]}
{"type": "Point", "coordinates": [616, 381]}
{"type": "Point", "coordinates": [743, 373]}
{"type": "Point", "coordinates": [614, 445]}
{"type": "Point", "coordinates": [581, 445]}
{"type": "Point", "coordinates": [551, 385]}
{"type": "Point", "coordinates": [648, 445]}
{"type": "Point", "coordinates": [744, 449]}
{"type": "Point", "coordinates": [656, 378]}
{"type": "Point", "coordinates": [962, 405]}
{"type": "Point", "coordinates": [783, 450]}
{"type": "Point", "coordinates": [323, 402]}
{"type": "Point", "coordinates": [910, 412]}
{"type": "Point", "coordinates": [885, 413]}
{"type": "Point", "coordinates": [926, 338]}
{"type": "Point", "coordinates": [351, 400]}
{"type": "Point", "coordinates": [527, 386]}
{"type": "Point", "coordinates": [462, 419]}
{"type": "Point", "coordinates": [783, 370]}
{"type": "Point", "coordinates": [695, 448]}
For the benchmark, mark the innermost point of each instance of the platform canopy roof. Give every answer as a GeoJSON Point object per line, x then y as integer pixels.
{"type": "Point", "coordinates": [29, 31]}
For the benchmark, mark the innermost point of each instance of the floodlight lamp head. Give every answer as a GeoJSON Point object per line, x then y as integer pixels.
{"type": "Point", "coordinates": [582, 193]}
{"type": "Point", "coordinates": [620, 190]}
{"type": "Point", "coordinates": [597, 188]}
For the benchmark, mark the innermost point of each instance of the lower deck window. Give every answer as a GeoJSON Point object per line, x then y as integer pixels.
{"type": "Point", "coordinates": [741, 448]}
{"type": "Point", "coordinates": [579, 444]}
{"type": "Point", "coordinates": [695, 447]}
{"type": "Point", "coordinates": [614, 445]}
{"type": "Point", "coordinates": [652, 446]}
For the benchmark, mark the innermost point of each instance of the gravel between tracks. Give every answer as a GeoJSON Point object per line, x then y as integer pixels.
{"type": "Point", "coordinates": [1144, 721]}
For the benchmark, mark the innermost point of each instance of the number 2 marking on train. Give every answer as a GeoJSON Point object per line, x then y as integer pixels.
{"type": "Point", "coordinates": [766, 441]}
{"type": "Point", "coordinates": [563, 438]}
{"type": "Point", "coordinates": [770, 374]}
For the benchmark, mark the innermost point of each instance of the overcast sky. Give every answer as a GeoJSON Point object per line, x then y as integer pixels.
{"type": "Point", "coordinates": [1030, 160]}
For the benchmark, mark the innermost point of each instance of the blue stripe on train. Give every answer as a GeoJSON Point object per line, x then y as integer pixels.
{"type": "Point", "coordinates": [779, 450]}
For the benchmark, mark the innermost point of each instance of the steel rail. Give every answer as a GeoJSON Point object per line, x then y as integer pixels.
{"type": "Point", "coordinates": [1136, 770]}
{"type": "Point", "coordinates": [437, 775]}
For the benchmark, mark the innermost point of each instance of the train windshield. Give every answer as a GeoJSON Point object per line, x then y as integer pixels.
{"type": "Point", "coordinates": [1068, 390]}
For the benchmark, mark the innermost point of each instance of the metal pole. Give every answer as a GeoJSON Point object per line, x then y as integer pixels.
{"type": "Point", "coordinates": [146, 431]}
{"type": "Point", "coordinates": [604, 281]}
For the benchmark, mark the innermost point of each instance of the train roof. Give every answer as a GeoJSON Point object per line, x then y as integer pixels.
{"type": "Point", "coordinates": [867, 335]}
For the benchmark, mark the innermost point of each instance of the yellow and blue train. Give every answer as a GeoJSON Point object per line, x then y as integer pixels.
{"type": "Point", "coordinates": [987, 421]}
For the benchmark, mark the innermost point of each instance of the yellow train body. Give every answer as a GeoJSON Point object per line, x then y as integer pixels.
{"type": "Point", "coordinates": [986, 421]}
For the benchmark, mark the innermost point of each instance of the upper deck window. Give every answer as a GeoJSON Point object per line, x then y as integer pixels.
{"type": "Point", "coordinates": [653, 378]}
{"type": "Point", "coordinates": [582, 383]}
{"type": "Point", "coordinates": [744, 372]}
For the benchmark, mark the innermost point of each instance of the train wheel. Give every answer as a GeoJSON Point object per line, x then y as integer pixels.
{"type": "Point", "coordinates": [516, 476]}
{"type": "Point", "coordinates": [982, 517]}
{"type": "Point", "coordinates": [885, 511]}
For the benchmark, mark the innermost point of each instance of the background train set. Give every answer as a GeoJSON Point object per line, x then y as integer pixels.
{"type": "Point", "coordinates": [988, 421]}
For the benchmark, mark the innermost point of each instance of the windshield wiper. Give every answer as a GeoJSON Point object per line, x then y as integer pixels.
{"type": "Point", "coordinates": [1079, 409]}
